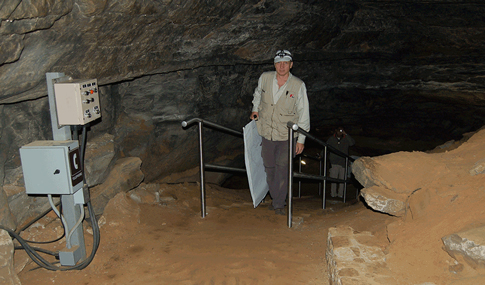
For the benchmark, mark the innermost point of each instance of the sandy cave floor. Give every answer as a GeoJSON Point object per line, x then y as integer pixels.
{"type": "Point", "coordinates": [169, 242]}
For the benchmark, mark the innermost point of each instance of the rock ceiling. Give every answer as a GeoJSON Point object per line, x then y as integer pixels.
{"type": "Point", "coordinates": [385, 69]}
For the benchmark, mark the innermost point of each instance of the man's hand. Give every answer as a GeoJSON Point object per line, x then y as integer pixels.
{"type": "Point", "coordinates": [299, 148]}
{"type": "Point", "coordinates": [254, 116]}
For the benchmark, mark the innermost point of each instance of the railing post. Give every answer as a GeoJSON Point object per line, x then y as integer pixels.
{"type": "Point", "coordinates": [320, 173]}
{"type": "Point", "coordinates": [202, 172]}
{"type": "Point", "coordinates": [325, 175]}
{"type": "Point", "coordinates": [290, 175]}
{"type": "Point", "coordinates": [292, 128]}
{"type": "Point", "coordinates": [346, 176]}
{"type": "Point", "coordinates": [299, 181]}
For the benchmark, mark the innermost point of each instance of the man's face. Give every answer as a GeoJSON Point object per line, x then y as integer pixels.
{"type": "Point", "coordinates": [339, 132]}
{"type": "Point", "coordinates": [283, 67]}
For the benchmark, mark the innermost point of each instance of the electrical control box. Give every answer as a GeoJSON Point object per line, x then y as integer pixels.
{"type": "Point", "coordinates": [52, 167]}
{"type": "Point", "coordinates": [77, 102]}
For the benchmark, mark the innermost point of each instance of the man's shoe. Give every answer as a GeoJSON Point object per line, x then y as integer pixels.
{"type": "Point", "coordinates": [270, 207]}
{"type": "Point", "coordinates": [280, 211]}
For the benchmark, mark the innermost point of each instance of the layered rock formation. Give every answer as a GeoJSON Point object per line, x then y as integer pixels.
{"type": "Point", "coordinates": [440, 198]}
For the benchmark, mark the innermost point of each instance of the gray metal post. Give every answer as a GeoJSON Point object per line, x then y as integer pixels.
{"type": "Point", "coordinates": [325, 175]}
{"type": "Point", "coordinates": [320, 173]}
{"type": "Point", "coordinates": [202, 172]}
{"type": "Point", "coordinates": [77, 251]}
{"type": "Point", "coordinates": [345, 177]}
{"type": "Point", "coordinates": [290, 176]}
{"type": "Point", "coordinates": [299, 181]}
{"type": "Point", "coordinates": [72, 213]}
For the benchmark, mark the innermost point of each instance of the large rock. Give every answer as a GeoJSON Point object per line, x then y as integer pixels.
{"type": "Point", "coordinates": [468, 244]}
{"type": "Point", "coordinates": [145, 193]}
{"type": "Point", "coordinates": [355, 258]}
{"type": "Point", "coordinates": [390, 172]}
{"type": "Point", "coordinates": [23, 206]}
{"type": "Point", "coordinates": [383, 200]}
{"type": "Point", "coordinates": [7, 272]}
{"type": "Point", "coordinates": [120, 210]}
{"type": "Point", "coordinates": [6, 218]}
{"type": "Point", "coordinates": [150, 125]}
{"type": "Point", "coordinates": [398, 181]}
{"type": "Point", "coordinates": [124, 176]}
{"type": "Point", "coordinates": [99, 154]}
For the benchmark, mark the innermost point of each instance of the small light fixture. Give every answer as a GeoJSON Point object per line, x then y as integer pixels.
{"type": "Point", "coordinates": [303, 162]}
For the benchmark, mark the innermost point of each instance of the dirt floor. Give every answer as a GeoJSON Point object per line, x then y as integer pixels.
{"type": "Point", "coordinates": [169, 243]}
{"type": "Point", "coordinates": [163, 239]}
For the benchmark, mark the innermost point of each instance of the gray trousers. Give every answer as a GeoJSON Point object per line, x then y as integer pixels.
{"type": "Point", "coordinates": [275, 160]}
{"type": "Point", "coordinates": [337, 171]}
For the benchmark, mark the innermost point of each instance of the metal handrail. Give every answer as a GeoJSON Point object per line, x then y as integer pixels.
{"type": "Point", "coordinates": [204, 166]}
{"type": "Point", "coordinates": [212, 125]}
{"type": "Point", "coordinates": [292, 128]}
{"type": "Point", "coordinates": [300, 162]}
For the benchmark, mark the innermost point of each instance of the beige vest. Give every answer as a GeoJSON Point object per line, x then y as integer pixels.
{"type": "Point", "coordinates": [274, 117]}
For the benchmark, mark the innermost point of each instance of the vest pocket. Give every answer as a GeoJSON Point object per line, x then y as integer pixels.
{"type": "Point", "coordinates": [290, 106]}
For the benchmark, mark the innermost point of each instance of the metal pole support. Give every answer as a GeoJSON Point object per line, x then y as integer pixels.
{"type": "Point", "coordinates": [70, 210]}
{"type": "Point", "coordinates": [299, 181]}
{"type": "Point", "coordinates": [290, 176]}
{"type": "Point", "coordinates": [325, 175]}
{"type": "Point", "coordinates": [202, 172]}
{"type": "Point", "coordinates": [346, 176]}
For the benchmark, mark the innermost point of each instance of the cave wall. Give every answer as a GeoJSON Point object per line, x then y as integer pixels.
{"type": "Point", "coordinates": [399, 75]}
{"type": "Point", "coordinates": [153, 108]}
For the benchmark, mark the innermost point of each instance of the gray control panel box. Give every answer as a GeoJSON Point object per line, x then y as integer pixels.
{"type": "Point", "coordinates": [52, 167]}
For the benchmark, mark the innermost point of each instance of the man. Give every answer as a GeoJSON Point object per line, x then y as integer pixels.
{"type": "Point", "coordinates": [279, 98]}
{"type": "Point", "coordinates": [341, 141]}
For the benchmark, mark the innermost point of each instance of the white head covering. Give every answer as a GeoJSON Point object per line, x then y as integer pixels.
{"type": "Point", "coordinates": [282, 55]}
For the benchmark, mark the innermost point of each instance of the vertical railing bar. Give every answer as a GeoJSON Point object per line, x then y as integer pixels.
{"type": "Point", "coordinates": [320, 173]}
{"type": "Point", "coordinates": [202, 172]}
{"type": "Point", "coordinates": [346, 176]}
{"type": "Point", "coordinates": [325, 175]}
{"type": "Point", "coordinates": [299, 181]}
{"type": "Point", "coordinates": [290, 176]}
{"type": "Point", "coordinates": [292, 129]}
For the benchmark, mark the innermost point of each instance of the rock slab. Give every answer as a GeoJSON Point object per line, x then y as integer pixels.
{"type": "Point", "coordinates": [7, 272]}
{"type": "Point", "coordinates": [353, 258]}
{"type": "Point", "coordinates": [470, 244]}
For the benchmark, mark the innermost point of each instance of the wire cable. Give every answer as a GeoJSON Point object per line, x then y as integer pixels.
{"type": "Point", "coordinates": [79, 221]}
{"type": "Point", "coordinates": [43, 250]}
{"type": "Point", "coordinates": [36, 218]}
{"type": "Point", "coordinates": [47, 265]}
{"type": "Point", "coordinates": [32, 251]}
{"type": "Point", "coordinates": [46, 242]}
{"type": "Point", "coordinates": [64, 222]}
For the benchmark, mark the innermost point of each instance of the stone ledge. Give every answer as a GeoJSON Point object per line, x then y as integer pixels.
{"type": "Point", "coordinates": [352, 258]}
